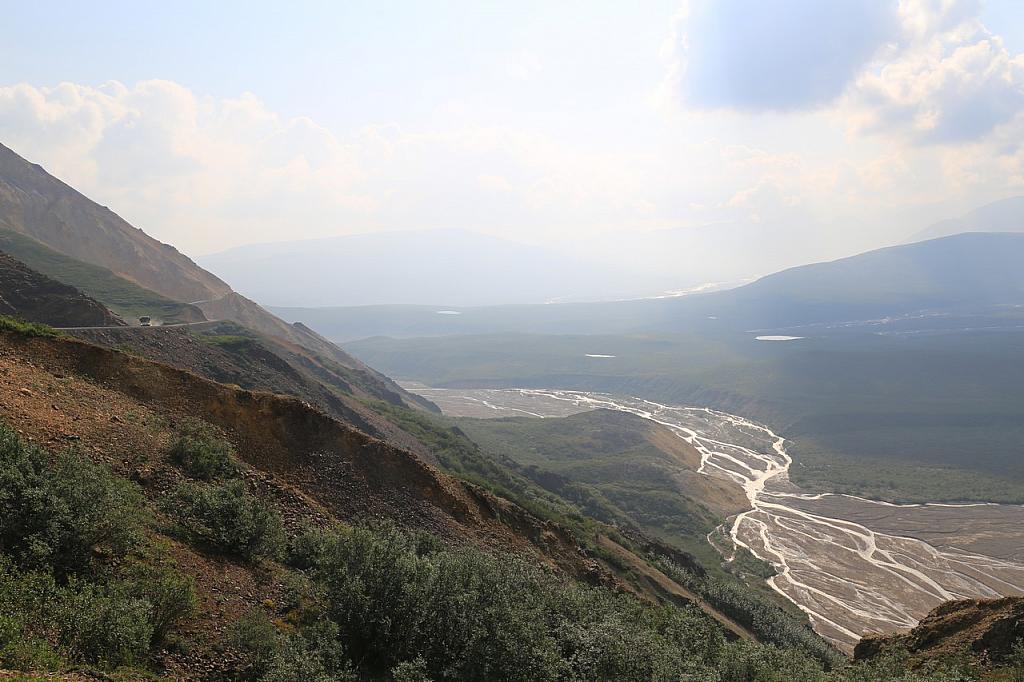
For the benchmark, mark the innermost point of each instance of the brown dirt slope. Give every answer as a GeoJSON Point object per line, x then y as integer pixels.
{"type": "Point", "coordinates": [314, 350]}
{"type": "Point", "coordinates": [229, 354]}
{"type": "Point", "coordinates": [986, 628]}
{"type": "Point", "coordinates": [338, 468]}
{"type": "Point", "coordinates": [32, 296]}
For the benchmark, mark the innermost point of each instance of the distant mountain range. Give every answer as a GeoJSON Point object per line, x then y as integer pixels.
{"type": "Point", "coordinates": [449, 267]}
{"type": "Point", "coordinates": [1000, 216]}
{"type": "Point", "coordinates": [977, 269]}
{"type": "Point", "coordinates": [460, 268]}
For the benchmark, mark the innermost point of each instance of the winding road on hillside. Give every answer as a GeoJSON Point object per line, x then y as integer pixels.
{"type": "Point", "coordinates": [138, 326]}
{"type": "Point", "coordinates": [854, 566]}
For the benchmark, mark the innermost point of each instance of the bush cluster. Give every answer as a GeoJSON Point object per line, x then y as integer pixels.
{"type": "Point", "coordinates": [757, 613]}
{"type": "Point", "coordinates": [70, 590]}
{"type": "Point", "coordinates": [202, 453]}
{"type": "Point", "coordinates": [14, 324]}
{"type": "Point", "coordinates": [62, 515]}
{"type": "Point", "coordinates": [228, 518]}
{"type": "Point", "coordinates": [413, 610]}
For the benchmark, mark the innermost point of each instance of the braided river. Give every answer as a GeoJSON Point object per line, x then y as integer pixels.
{"type": "Point", "coordinates": [854, 566]}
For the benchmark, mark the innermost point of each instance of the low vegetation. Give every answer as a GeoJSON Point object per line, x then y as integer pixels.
{"type": "Point", "coordinates": [228, 518]}
{"type": "Point", "coordinates": [13, 324]}
{"type": "Point", "coordinates": [399, 602]}
{"type": "Point", "coordinates": [754, 611]}
{"type": "Point", "coordinates": [233, 343]}
{"type": "Point", "coordinates": [120, 295]}
{"type": "Point", "coordinates": [74, 582]}
{"type": "Point", "coordinates": [202, 453]}
{"type": "Point", "coordinates": [85, 585]}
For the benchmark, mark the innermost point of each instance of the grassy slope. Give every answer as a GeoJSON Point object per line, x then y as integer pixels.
{"type": "Point", "coordinates": [123, 297]}
{"type": "Point", "coordinates": [608, 462]}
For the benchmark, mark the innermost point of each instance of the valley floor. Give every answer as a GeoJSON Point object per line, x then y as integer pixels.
{"type": "Point", "coordinates": [855, 566]}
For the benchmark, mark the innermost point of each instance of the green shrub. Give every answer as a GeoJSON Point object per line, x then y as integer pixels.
{"type": "Point", "coordinates": [107, 626]}
{"type": "Point", "coordinates": [314, 653]}
{"type": "Point", "coordinates": [257, 636]}
{"type": "Point", "coordinates": [20, 650]}
{"type": "Point", "coordinates": [411, 671]}
{"type": "Point", "coordinates": [60, 516]}
{"type": "Point", "coordinates": [414, 612]}
{"type": "Point", "coordinates": [766, 619]}
{"type": "Point", "coordinates": [171, 596]}
{"type": "Point", "coordinates": [13, 324]}
{"type": "Point", "coordinates": [229, 518]}
{"type": "Point", "coordinates": [202, 453]}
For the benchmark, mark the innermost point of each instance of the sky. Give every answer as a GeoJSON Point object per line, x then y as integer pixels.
{"type": "Point", "coordinates": [826, 128]}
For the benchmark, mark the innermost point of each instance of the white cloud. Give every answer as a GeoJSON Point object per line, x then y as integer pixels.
{"type": "Point", "coordinates": [921, 71]}
{"type": "Point", "coordinates": [206, 173]}
{"type": "Point", "coordinates": [774, 54]}
{"type": "Point", "coordinates": [951, 82]}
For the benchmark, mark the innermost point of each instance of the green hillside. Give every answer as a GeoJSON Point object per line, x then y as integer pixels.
{"type": "Point", "coordinates": [125, 298]}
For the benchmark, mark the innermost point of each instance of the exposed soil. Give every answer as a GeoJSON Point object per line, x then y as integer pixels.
{"type": "Point", "coordinates": [987, 628]}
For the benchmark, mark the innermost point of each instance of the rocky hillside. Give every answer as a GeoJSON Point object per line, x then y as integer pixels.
{"type": "Point", "coordinates": [122, 296]}
{"type": "Point", "coordinates": [336, 468]}
{"type": "Point", "coordinates": [986, 629]}
{"type": "Point", "coordinates": [228, 353]}
{"type": "Point", "coordinates": [26, 294]}
{"type": "Point", "coordinates": [124, 412]}
{"type": "Point", "coordinates": [41, 208]}
{"type": "Point", "coordinates": [38, 205]}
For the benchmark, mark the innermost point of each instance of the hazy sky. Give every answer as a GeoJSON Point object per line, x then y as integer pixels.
{"type": "Point", "coordinates": [211, 124]}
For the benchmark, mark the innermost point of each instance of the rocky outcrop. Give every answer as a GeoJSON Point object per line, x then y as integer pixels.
{"type": "Point", "coordinates": [985, 628]}
{"type": "Point", "coordinates": [31, 296]}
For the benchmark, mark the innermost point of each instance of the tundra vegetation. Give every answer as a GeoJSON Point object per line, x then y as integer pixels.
{"type": "Point", "coordinates": [87, 583]}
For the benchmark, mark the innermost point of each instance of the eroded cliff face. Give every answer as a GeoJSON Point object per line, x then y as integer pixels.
{"type": "Point", "coordinates": [31, 296]}
{"type": "Point", "coordinates": [986, 628]}
{"type": "Point", "coordinates": [83, 391]}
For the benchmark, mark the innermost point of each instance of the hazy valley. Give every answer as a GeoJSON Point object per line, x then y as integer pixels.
{"type": "Point", "coordinates": [679, 341]}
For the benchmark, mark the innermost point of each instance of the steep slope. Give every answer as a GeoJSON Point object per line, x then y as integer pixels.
{"type": "Point", "coordinates": [38, 205]}
{"type": "Point", "coordinates": [26, 294]}
{"type": "Point", "coordinates": [124, 297]}
{"type": "Point", "coordinates": [228, 353]}
{"type": "Point", "coordinates": [338, 468]}
{"type": "Point", "coordinates": [1000, 216]}
{"type": "Point", "coordinates": [308, 347]}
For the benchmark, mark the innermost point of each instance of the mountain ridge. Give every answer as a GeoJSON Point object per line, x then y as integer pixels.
{"type": "Point", "coordinates": [42, 208]}
{"type": "Point", "coordinates": [1006, 215]}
